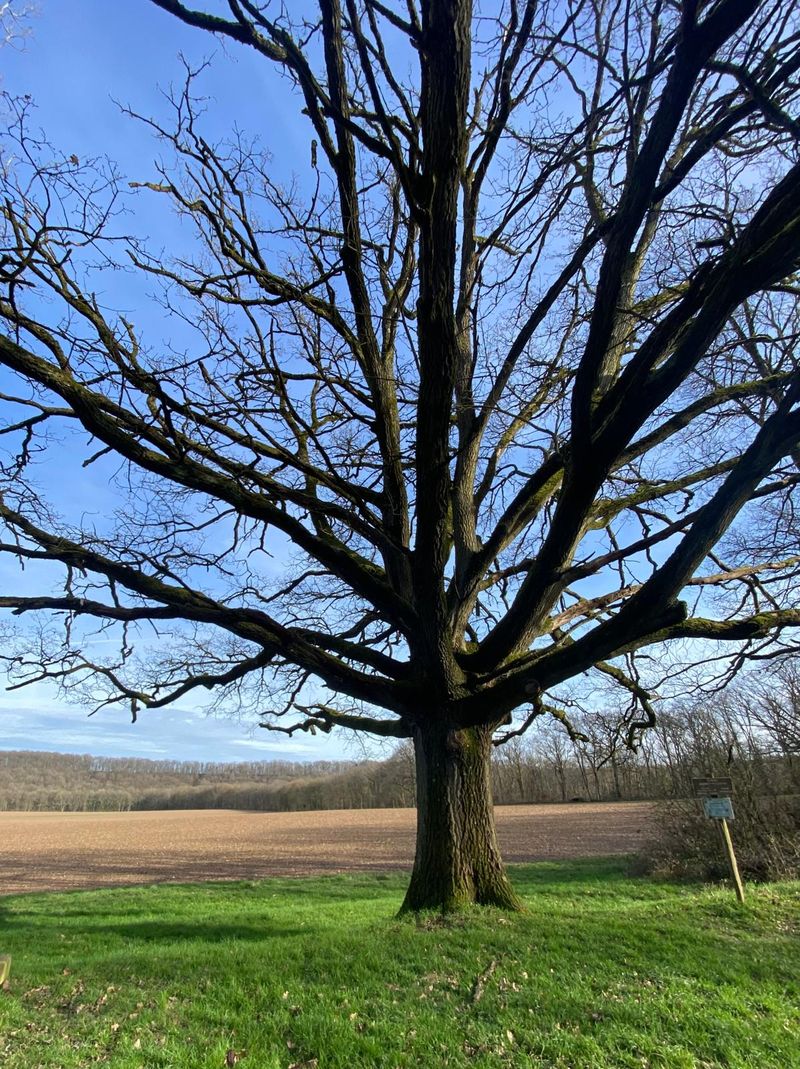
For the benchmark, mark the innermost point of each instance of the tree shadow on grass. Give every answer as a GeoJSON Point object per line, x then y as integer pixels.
{"type": "Point", "coordinates": [206, 930]}
{"type": "Point", "coordinates": [198, 931]}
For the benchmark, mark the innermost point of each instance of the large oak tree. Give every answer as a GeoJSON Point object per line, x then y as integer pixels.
{"type": "Point", "coordinates": [504, 378]}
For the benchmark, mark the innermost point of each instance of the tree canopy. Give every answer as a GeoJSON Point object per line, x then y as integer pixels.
{"type": "Point", "coordinates": [507, 377]}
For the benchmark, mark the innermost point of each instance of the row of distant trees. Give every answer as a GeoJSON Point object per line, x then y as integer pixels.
{"type": "Point", "coordinates": [751, 732]}
{"type": "Point", "coordinates": [76, 782]}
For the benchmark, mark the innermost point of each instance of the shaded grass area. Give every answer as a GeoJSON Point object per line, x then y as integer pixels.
{"type": "Point", "coordinates": [604, 971]}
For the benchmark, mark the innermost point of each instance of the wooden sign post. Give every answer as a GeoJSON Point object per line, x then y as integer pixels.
{"type": "Point", "coordinates": [717, 804]}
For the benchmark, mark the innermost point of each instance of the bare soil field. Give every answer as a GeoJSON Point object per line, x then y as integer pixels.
{"type": "Point", "coordinates": [67, 851]}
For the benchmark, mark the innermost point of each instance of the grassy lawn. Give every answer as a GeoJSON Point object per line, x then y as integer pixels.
{"type": "Point", "coordinates": [604, 971]}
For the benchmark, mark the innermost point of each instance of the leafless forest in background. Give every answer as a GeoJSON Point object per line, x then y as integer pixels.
{"type": "Point", "coordinates": [751, 733]}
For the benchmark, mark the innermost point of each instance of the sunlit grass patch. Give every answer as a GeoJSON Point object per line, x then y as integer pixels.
{"type": "Point", "coordinates": [603, 971]}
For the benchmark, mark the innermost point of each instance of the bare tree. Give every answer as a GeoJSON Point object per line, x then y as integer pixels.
{"type": "Point", "coordinates": [506, 375]}
{"type": "Point", "coordinates": [14, 21]}
{"type": "Point", "coordinates": [772, 704]}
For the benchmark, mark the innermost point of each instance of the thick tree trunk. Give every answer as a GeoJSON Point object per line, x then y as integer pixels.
{"type": "Point", "coordinates": [458, 861]}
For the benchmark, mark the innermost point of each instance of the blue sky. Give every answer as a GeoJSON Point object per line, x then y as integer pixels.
{"type": "Point", "coordinates": [81, 60]}
{"type": "Point", "coordinates": [37, 719]}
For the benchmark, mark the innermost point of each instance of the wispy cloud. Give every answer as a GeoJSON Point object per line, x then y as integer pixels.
{"type": "Point", "coordinates": [281, 747]}
{"type": "Point", "coordinates": [35, 719]}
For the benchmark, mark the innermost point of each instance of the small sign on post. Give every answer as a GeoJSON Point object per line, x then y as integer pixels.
{"type": "Point", "coordinates": [713, 788]}
{"type": "Point", "coordinates": [718, 808]}
{"type": "Point", "coordinates": [717, 804]}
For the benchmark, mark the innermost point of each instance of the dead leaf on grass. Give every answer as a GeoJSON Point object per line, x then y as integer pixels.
{"type": "Point", "coordinates": [39, 995]}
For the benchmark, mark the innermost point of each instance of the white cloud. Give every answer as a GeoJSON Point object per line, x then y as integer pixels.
{"type": "Point", "coordinates": [282, 747]}
{"type": "Point", "coordinates": [37, 719]}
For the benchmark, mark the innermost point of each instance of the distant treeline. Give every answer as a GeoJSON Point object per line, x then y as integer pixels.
{"type": "Point", "coordinates": [32, 780]}
{"type": "Point", "coordinates": [751, 733]}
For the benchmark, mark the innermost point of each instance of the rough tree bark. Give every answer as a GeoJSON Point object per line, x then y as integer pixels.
{"type": "Point", "coordinates": [457, 859]}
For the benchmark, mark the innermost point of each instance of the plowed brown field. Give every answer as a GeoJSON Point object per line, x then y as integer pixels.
{"type": "Point", "coordinates": [64, 851]}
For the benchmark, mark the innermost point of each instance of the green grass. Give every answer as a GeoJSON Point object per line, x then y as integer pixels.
{"type": "Point", "coordinates": [604, 971]}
